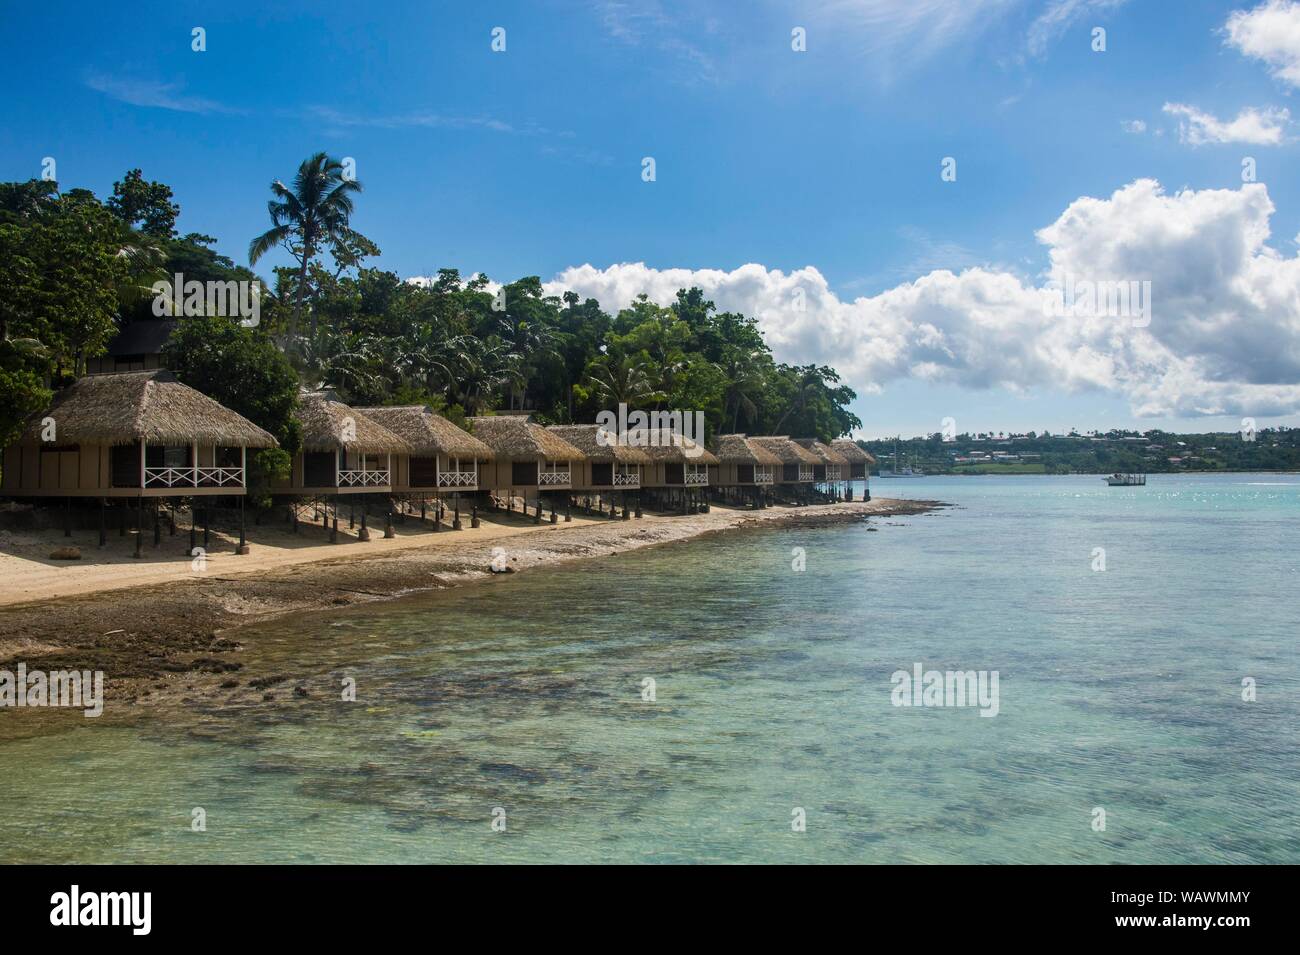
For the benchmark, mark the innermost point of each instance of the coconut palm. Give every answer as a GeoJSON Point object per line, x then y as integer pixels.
{"type": "Point", "coordinates": [624, 381]}
{"type": "Point", "coordinates": [743, 371]}
{"type": "Point", "coordinates": [807, 378]}
{"type": "Point", "coordinates": [308, 218]}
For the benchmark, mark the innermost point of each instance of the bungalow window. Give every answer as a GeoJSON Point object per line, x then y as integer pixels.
{"type": "Point", "coordinates": [523, 472]}
{"type": "Point", "coordinates": [674, 473]}
{"type": "Point", "coordinates": [745, 473]}
{"type": "Point", "coordinates": [228, 457]}
{"type": "Point", "coordinates": [602, 473]}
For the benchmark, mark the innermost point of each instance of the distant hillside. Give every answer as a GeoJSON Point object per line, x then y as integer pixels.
{"type": "Point", "coordinates": [1274, 449]}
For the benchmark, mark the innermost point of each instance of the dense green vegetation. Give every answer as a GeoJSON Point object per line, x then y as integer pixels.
{"type": "Point", "coordinates": [1273, 449]}
{"type": "Point", "coordinates": [77, 269]}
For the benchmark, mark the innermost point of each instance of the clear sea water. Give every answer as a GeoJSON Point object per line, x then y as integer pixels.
{"type": "Point", "coordinates": [1119, 689]}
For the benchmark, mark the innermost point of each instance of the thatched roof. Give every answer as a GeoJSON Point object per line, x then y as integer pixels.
{"type": "Point", "coordinates": [825, 453]}
{"type": "Point", "coordinates": [514, 436]}
{"type": "Point", "coordinates": [330, 425]}
{"type": "Point", "coordinates": [738, 449]}
{"type": "Point", "coordinates": [429, 433]}
{"type": "Point", "coordinates": [787, 450]}
{"type": "Point", "coordinates": [666, 445]}
{"type": "Point", "coordinates": [586, 438]}
{"type": "Point", "coordinates": [852, 452]}
{"type": "Point", "coordinates": [150, 405]}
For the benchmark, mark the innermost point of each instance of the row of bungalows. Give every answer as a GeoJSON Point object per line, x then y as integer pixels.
{"type": "Point", "coordinates": [143, 435]}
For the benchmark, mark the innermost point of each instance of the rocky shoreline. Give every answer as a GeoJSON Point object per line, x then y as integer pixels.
{"type": "Point", "coordinates": [180, 641]}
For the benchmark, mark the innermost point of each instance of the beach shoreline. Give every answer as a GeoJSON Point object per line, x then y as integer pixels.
{"type": "Point", "coordinates": [178, 638]}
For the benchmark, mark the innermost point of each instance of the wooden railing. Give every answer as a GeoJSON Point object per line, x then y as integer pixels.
{"type": "Point", "coordinates": [805, 473]}
{"type": "Point", "coordinates": [193, 477]}
{"type": "Point", "coordinates": [553, 478]}
{"type": "Point", "coordinates": [457, 479]}
{"type": "Point", "coordinates": [763, 477]}
{"type": "Point", "coordinates": [631, 479]}
{"type": "Point", "coordinates": [377, 478]}
{"type": "Point", "coordinates": [696, 477]}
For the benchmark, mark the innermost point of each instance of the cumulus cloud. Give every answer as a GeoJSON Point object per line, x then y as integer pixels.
{"type": "Point", "coordinates": [1135, 126]}
{"type": "Point", "coordinates": [1270, 33]}
{"type": "Point", "coordinates": [1259, 127]}
{"type": "Point", "coordinates": [1223, 335]}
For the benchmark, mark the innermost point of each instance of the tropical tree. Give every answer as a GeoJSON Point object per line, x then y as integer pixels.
{"type": "Point", "coordinates": [624, 380]}
{"type": "Point", "coordinates": [146, 206]}
{"type": "Point", "coordinates": [307, 219]}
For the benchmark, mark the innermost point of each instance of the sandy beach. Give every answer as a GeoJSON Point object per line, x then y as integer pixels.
{"type": "Point", "coordinates": [162, 630]}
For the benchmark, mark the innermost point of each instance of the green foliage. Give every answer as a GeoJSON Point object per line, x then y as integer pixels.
{"type": "Point", "coordinates": [309, 218]}
{"type": "Point", "coordinates": [73, 265]}
{"type": "Point", "coordinates": [239, 367]}
{"type": "Point", "coordinates": [265, 467]}
{"type": "Point", "coordinates": [65, 269]}
{"type": "Point", "coordinates": [144, 205]}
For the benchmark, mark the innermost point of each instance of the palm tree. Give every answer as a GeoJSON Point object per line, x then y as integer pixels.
{"type": "Point", "coordinates": [530, 343]}
{"type": "Point", "coordinates": [807, 378]}
{"type": "Point", "coordinates": [624, 381]}
{"type": "Point", "coordinates": [307, 218]}
{"type": "Point", "coordinates": [744, 375]}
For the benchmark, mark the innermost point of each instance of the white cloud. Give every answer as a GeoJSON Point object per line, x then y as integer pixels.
{"type": "Point", "coordinates": [1223, 338]}
{"type": "Point", "coordinates": [1271, 33]}
{"type": "Point", "coordinates": [1259, 127]}
{"type": "Point", "coordinates": [1135, 126]}
{"type": "Point", "coordinates": [920, 27]}
{"type": "Point", "coordinates": [153, 94]}
{"type": "Point", "coordinates": [1059, 16]}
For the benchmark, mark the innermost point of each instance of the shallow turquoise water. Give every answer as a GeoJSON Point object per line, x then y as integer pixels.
{"type": "Point", "coordinates": [1118, 689]}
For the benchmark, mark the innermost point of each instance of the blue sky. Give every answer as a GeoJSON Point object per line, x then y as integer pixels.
{"type": "Point", "coordinates": [529, 161]}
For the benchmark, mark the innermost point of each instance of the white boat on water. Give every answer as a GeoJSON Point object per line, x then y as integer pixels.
{"type": "Point", "coordinates": [1127, 480]}
{"type": "Point", "coordinates": [897, 472]}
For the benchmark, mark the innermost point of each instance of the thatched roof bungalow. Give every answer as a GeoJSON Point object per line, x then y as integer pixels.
{"type": "Point", "coordinates": [442, 457]}
{"type": "Point", "coordinates": [528, 456]}
{"type": "Point", "coordinates": [608, 464]}
{"type": "Point", "coordinates": [860, 461]}
{"type": "Point", "coordinates": [831, 466]}
{"type": "Point", "coordinates": [742, 462]}
{"type": "Point", "coordinates": [135, 434]}
{"type": "Point", "coordinates": [343, 450]}
{"type": "Point", "coordinates": [675, 460]}
{"type": "Point", "coordinates": [797, 463]}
